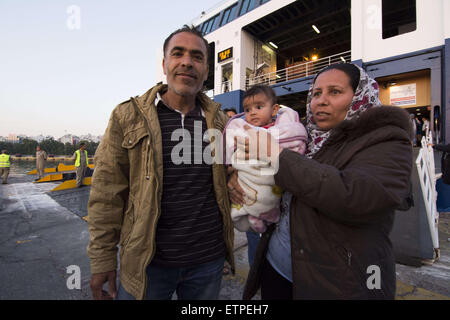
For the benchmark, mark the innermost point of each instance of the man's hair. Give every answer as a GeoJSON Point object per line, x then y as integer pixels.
{"type": "Point", "coordinates": [260, 88]}
{"type": "Point", "coordinates": [189, 29]}
{"type": "Point", "coordinates": [230, 109]}
{"type": "Point", "coordinates": [82, 144]}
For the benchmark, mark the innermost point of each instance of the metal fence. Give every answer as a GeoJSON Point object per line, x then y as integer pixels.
{"type": "Point", "coordinates": [427, 178]}
{"type": "Point", "coordinates": [226, 86]}
{"type": "Point", "coordinates": [301, 70]}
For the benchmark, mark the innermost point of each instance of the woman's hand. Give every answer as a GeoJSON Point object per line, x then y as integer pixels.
{"type": "Point", "coordinates": [235, 191]}
{"type": "Point", "coordinates": [260, 145]}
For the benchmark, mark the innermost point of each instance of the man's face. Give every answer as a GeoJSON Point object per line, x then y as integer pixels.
{"type": "Point", "coordinates": [185, 64]}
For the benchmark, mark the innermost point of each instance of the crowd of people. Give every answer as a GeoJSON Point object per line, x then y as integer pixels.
{"type": "Point", "coordinates": [420, 127]}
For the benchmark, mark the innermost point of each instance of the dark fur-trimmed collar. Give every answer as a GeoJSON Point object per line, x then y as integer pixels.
{"type": "Point", "coordinates": [370, 120]}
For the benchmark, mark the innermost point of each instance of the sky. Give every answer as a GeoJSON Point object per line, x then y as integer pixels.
{"type": "Point", "coordinates": [65, 65]}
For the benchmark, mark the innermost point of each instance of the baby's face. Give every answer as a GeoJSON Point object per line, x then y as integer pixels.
{"type": "Point", "coordinates": [259, 110]}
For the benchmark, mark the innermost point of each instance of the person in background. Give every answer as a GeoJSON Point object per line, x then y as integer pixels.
{"type": "Point", "coordinates": [419, 132]}
{"type": "Point", "coordinates": [333, 239]}
{"type": "Point", "coordinates": [5, 164]}
{"type": "Point", "coordinates": [425, 126]}
{"type": "Point", "coordinates": [413, 129]}
{"type": "Point", "coordinates": [41, 157]}
{"type": "Point", "coordinates": [81, 163]}
{"type": "Point", "coordinates": [230, 112]}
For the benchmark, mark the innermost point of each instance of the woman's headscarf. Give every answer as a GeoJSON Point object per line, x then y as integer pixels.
{"type": "Point", "coordinates": [366, 97]}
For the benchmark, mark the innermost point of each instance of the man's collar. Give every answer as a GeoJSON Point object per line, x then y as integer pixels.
{"type": "Point", "coordinates": [159, 99]}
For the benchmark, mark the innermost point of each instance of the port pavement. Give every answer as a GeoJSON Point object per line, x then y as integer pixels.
{"type": "Point", "coordinates": [42, 234]}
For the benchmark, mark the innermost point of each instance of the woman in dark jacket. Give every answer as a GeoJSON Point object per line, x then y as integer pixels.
{"type": "Point", "coordinates": [339, 199]}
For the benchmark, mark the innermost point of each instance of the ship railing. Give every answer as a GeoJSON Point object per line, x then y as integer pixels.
{"type": "Point", "coordinates": [427, 178]}
{"type": "Point", "coordinates": [301, 70]}
{"type": "Point", "coordinates": [226, 86]}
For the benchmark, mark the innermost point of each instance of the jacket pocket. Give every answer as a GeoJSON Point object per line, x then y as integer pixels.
{"type": "Point", "coordinates": [138, 143]}
{"type": "Point", "coordinates": [133, 137]}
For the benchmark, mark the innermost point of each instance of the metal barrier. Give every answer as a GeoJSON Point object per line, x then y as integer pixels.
{"type": "Point", "coordinates": [427, 178]}
{"type": "Point", "coordinates": [298, 71]}
{"type": "Point", "coordinates": [226, 86]}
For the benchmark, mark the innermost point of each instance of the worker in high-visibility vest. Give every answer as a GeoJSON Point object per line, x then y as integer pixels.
{"type": "Point", "coordinates": [81, 163]}
{"type": "Point", "coordinates": [5, 164]}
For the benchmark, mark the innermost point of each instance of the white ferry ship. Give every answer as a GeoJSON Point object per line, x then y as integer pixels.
{"type": "Point", "coordinates": [403, 44]}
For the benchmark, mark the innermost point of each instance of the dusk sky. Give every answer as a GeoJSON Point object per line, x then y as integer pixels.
{"type": "Point", "coordinates": [64, 65]}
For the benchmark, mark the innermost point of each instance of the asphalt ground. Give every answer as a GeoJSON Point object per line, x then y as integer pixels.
{"type": "Point", "coordinates": [43, 234]}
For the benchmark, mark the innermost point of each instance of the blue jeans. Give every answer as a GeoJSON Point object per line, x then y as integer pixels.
{"type": "Point", "coordinates": [201, 282]}
{"type": "Point", "coordinates": [252, 240]}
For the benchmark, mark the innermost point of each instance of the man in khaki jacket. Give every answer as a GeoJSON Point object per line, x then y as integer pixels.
{"type": "Point", "coordinates": [155, 195]}
{"type": "Point", "coordinates": [41, 157]}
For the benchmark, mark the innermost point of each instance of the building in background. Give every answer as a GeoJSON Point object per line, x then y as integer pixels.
{"type": "Point", "coordinates": [91, 138]}
{"type": "Point", "coordinates": [403, 44]}
{"type": "Point", "coordinates": [14, 138]}
{"type": "Point", "coordinates": [38, 138]}
{"type": "Point", "coordinates": [69, 138]}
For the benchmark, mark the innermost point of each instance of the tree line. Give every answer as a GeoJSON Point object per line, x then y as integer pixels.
{"type": "Point", "coordinates": [51, 146]}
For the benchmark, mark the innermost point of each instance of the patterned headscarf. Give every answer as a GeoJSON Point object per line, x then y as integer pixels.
{"type": "Point", "coordinates": [366, 97]}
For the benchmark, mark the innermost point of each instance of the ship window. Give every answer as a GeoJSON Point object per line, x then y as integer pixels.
{"type": "Point", "coordinates": [227, 77]}
{"type": "Point", "coordinates": [399, 17]}
{"type": "Point", "coordinates": [247, 5]}
{"type": "Point", "coordinates": [229, 14]}
{"type": "Point", "coordinates": [205, 24]}
{"type": "Point", "coordinates": [202, 27]}
{"type": "Point", "coordinates": [209, 25]}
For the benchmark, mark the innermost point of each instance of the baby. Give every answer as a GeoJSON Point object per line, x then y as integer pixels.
{"type": "Point", "coordinates": [262, 196]}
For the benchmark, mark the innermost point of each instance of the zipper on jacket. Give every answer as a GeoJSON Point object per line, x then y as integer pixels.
{"type": "Point", "coordinates": [147, 156]}
{"type": "Point", "coordinates": [158, 195]}
{"type": "Point", "coordinates": [135, 104]}
{"type": "Point", "coordinates": [346, 254]}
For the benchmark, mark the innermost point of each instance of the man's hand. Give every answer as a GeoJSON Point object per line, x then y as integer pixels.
{"type": "Point", "coordinates": [234, 189]}
{"type": "Point", "coordinates": [97, 282]}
